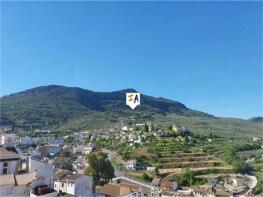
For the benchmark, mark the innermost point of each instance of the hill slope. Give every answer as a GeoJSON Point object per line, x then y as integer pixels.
{"type": "Point", "coordinates": [256, 119]}
{"type": "Point", "coordinates": [55, 105]}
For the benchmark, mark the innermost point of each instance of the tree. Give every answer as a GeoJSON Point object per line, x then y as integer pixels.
{"type": "Point", "coordinates": [258, 189]}
{"type": "Point", "coordinates": [157, 166]}
{"type": "Point", "coordinates": [170, 127]}
{"type": "Point", "coordinates": [187, 178]}
{"type": "Point", "coordinates": [146, 128]}
{"type": "Point", "coordinates": [146, 177]}
{"type": "Point", "coordinates": [100, 168]}
{"type": "Point", "coordinates": [126, 153]}
{"type": "Point", "coordinates": [229, 153]}
{"type": "Point", "coordinates": [241, 167]}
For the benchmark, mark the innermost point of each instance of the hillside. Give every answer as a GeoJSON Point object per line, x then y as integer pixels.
{"type": "Point", "coordinates": [256, 119]}
{"type": "Point", "coordinates": [54, 105]}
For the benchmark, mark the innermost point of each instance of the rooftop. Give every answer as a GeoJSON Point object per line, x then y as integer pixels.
{"type": "Point", "coordinates": [7, 179]}
{"type": "Point", "coordinates": [156, 181]}
{"type": "Point", "coordinates": [6, 154]}
{"type": "Point", "coordinates": [25, 179]}
{"type": "Point", "coordinates": [118, 189]}
{"type": "Point", "coordinates": [61, 173]}
{"type": "Point", "coordinates": [71, 177]}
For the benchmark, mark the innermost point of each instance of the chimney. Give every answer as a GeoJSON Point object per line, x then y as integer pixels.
{"type": "Point", "coordinates": [27, 164]}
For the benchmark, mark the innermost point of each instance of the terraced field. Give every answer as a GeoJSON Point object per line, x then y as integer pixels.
{"type": "Point", "coordinates": [174, 156]}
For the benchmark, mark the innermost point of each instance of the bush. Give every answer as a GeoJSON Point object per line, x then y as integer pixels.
{"type": "Point", "coordinates": [188, 179]}
{"type": "Point", "coordinates": [146, 177]}
{"type": "Point", "coordinates": [241, 167]}
{"type": "Point", "coordinates": [258, 189]}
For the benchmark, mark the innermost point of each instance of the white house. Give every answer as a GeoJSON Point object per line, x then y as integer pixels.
{"type": "Point", "coordinates": [74, 184]}
{"type": "Point", "coordinates": [9, 158]}
{"type": "Point", "coordinates": [9, 161]}
{"type": "Point", "coordinates": [25, 185]}
{"type": "Point", "coordinates": [40, 168]}
{"type": "Point", "coordinates": [43, 184]}
{"type": "Point", "coordinates": [125, 128]}
{"type": "Point", "coordinates": [8, 140]}
{"type": "Point", "coordinates": [131, 164]}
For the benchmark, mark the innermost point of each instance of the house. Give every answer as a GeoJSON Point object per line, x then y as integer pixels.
{"type": "Point", "coordinates": [150, 168]}
{"type": "Point", "coordinates": [49, 150]}
{"type": "Point", "coordinates": [57, 141]}
{"type": "Point", "coordinates": [74, 184]}
{"type": "Point", "coordinates": [80, 165]}
{"type": "Point", "coordinates": [209, 191]}
{"type": "Point", "coordinates": [168, 185]}
{"type": "Point", "coordinates": [43, 185]}
{"type": "Point", "coordinates": [38, 174]}
{"type": "Point", "coordinates": [7, 183]}
{"type": "Point", "coordinates": [59, 162]}
{"type": "Point", "coordinates": [60, 173]}
{"type": "Point", "coordinates": [41, 169]}
{"type": "Point", "coordinates": [8, 139]}
{"type": "Point", "coordinates": [184, 131]}
{"type": "Point", "coordinates": [131, 164]}
{"type": "Point", "coordinates": [256, 139]}
{"type": "Point", "coordinates": [16, 185]}
{"type": "Point", "coordinates": [89, 148]}
{"type": "Point", "coordinates": [43, 191]}
{"type": "Point", "coordinates": [27, 141]}
{"type": "Point", "coordinates": [26, 184]}
{"type": "Point", "coordinates": [124, 128]}
{"type": "Point", "coordinates": [9, 160]}
{"type": "Point", "coordinates": [77, 148]}
{"type": "Point", "coordinates": [175, 129]}
{"type": "Point", "coordinates": [121, 190]}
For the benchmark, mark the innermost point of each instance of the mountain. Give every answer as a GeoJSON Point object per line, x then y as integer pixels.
{"type": "Point", "coordinates": [256, 119]}
{"type": "Point", "coordinates": [55, 105]}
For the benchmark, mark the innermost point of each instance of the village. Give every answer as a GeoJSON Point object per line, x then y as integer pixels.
{"type": "Point", "coordinates": [146, 161]}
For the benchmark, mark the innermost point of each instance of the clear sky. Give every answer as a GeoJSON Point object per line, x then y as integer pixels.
{"type": "Point", "coordinates": [205, 55]}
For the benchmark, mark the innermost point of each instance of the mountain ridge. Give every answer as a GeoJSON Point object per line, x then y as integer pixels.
{"type": "Point", "coordinates": [54, 104]}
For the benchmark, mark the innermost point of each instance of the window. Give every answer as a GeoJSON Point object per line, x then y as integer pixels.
{"type": "Point", "coordinates": [5, 167]}
{"type": "Point", "coordinates": [4, 170]}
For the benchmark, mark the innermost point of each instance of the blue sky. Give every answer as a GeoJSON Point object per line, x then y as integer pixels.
{"type": "Point", "coordinates": [205, 55]}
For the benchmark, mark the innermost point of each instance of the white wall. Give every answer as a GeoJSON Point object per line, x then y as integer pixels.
{"type": "Point", "coordinates": [42, 181]}
{"type": "Point", "coordinates": [41, 169]}
{"type": "Point", "coordinates": [15, 190]}
{"type": "Point", "coordinates": [83, 186]}
{"type": "Point", "coordinates": [11, 166]}
{"type": "Point", "coordinates": [71, 188]}
{"type": "Point", "coordinates": [80, 188]}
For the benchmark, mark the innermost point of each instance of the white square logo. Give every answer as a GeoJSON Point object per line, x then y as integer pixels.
{"type": "Point", "coordinates": [133, 99]}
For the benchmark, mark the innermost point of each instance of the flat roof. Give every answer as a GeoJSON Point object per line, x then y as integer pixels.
{"type": "Point", "coordinates": [25, 179]}
{"type": "Point", "coordinates": [6, 154]}
{"type": "Point", "coordinates": [7, 179]}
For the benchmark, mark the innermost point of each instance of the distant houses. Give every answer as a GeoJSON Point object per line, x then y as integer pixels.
{"type": "Point", "coordinates": [29, 176]}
